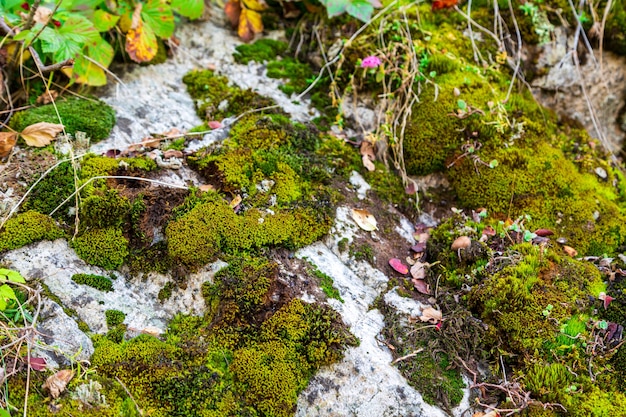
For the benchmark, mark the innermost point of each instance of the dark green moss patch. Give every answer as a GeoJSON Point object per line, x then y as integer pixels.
{"type": "Point", "coordinates": [26, 228]}
{"type": "Point", "coordinates": [95, 281]}
{"type": "Point", "coordinates": [259, 51]}
{"type": "Point", "coordinates": [102, 247]}
{"type": "Point", "coordinates": [93, 117]}
{"type": "Point", "coordinates": [114, 317]}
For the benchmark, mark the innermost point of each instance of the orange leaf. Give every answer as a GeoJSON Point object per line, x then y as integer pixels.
{"type": "Point", "coordinates": [249, 24]}
{"type": "Point", "coordinates": [41, 134]}
{"type": "Point", "coordinates": [233, 10]}
{"type": "Point", "coordinates": [7, 142]}
{"type": "Point", "coordinates": [141, 43]}
{"type": "Point", "coordinates": [256, 5]}
{"type": "Point", "coordinates": [444, 4]}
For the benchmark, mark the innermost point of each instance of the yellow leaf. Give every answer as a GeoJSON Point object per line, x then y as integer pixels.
{"type": "Point", "coordinates": [141, 43]}
{"type": "Point", "coordinates": [249, 24]}
{"type": "Point", "coordinates": [41, 134]}
{"type": "Point", "coordinates": [364, 219]}
{"type": "Point", "coordinates": [7, 142]}
{"type": "Point", "coordinates": [256, 5]}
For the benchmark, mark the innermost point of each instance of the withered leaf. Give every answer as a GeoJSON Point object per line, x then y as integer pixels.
{"type": "Point", "coordinates": [250, 24]}
{"type": "Point", "coordinates": [421, 286]}
{"type": "Point", "coordinates": [172, 153]}
{"type": "Point", "coordinates": [7, 142]}
{"type": "Point", "coordinates": [41, 134]}
{"type": "Point", "coordinates": [431, 315]}
{"type": "Point", "coordinates": [38, 364]}
{"type": "Point", "coordinates": [364, 219]}
{"type": "Point", "coordinates": [418, 270]}
{"type": "Point", "coordinates": [233, 10]}
{"type": "Point", "coordinates": [236, 201]}
{"type": "Point", "coordinates": [398, 266]}
{"type": "Point", "coordinates": [368, 164]}
{"type": "Point", "coordinates": [55, 384]}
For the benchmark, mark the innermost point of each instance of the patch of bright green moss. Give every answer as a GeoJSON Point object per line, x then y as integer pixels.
{"type": "Point", "coordinates": [95, 281]}
{"type": "Point", "coordinates": [107, 247]}
{"type": "Point", "coordinates": [216, 100]}
{"type": "Point", "coordinates": [26, 228]}
{"type": "Point", "coordinates": [297, 73]}
{"type": "Point", "coordinates": [104, 208]}
{"type": "Point", "coordinates": [259, 51]}
{"type": "Point", "coordinates": [93, 117]}
{"type": "Point", "coordinates": [114, 317]}
{"type": "Point", "coordinates": [52, 190]}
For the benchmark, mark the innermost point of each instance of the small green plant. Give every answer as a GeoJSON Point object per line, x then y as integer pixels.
{"type": "Point", "coordinates": [7, 294]}
{"type": "Point", "coordinates": [546, 311]}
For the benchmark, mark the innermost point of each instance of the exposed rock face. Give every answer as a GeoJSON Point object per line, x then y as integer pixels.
{"type": "Point", "coordinates": [595, 88]}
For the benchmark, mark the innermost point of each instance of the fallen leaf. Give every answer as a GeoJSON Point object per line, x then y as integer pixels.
{"type": "Point", "coordinates": [7, 142]}
{"type": "Point", "coordinates": [418, 271]}
{"type": "Point", "coordinates": [206, 187]}
{"type": "Point", "coordinates": [461, 242]}
{"type": "Point", "coordinates": [41, 134]}
{"type": "Point", "coordinates": [38, 364]}
{"type": "Point", "coordinates": [368, 164]}
{"type": "Point", "coordinates": [56, 383]}
{"type": "Point", "coordinates": [398, 266]}
{"type": "Point", "coordinates": [411, 188]}
{"type": "Point", "coordinates": [419, 247]}
{"type": "Point", "coordinates": [421, 286]}
{"type": "Point", "coordinates": [236, 201]}
{"type": "Point", "coordinates": [213, 124]}
{"type": "Point", "coordinates": [421, 237]}
{"type": "Point", "coordinates": [232, 9]}
{"type": "Point", "coordinates": [570, 251]}
{"type": "Point", "coordinates": [48, 97]}
{"type": "Point", "coordinates": [544, 232]}
{"type": "Point", "coordinates": [489, 231]}
{"type": "Point", "coordinates": [364, 219]}
{"type": "Point", "coordinates": [367, 149]}
{"type": "Point", "coordinates": [431, 315]}
{"type": "Point", "coordinates": [42, 15]}
{"type": "Point", "coordinates": [250, 24]}
{"type": "Point", "coordinates": [606, 299]}
{"type": "Point", "coordinates": [172, 153]}
{"type": "Point", "coordinates": [151, 142]}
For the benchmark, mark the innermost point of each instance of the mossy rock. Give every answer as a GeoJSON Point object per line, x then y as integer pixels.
{"type": "Point", "coordinates": [26, 228]}
{"type": "Point", "coordinates": [93, 117]}
{"type": "Point", "coordinates": [107, 248]}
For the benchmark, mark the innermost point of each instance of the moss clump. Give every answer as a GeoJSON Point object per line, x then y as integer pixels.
{"type": "Point", "coordinates": [615, 28]}
{"type": "Point", "coordinates": [93, 117]}
{"type": "Point", "coordinates": [51, 191]}
{"type": "Point", "coordinates": [104, 208]}
{"type": "Point", "coordinates": [26, 228]}
{"type": "Point", "coordinates": [298, 74]}
{"type": "Point", "coordinates": [114, 317]}
{"type": "Point", "coordinates": [95, 281]}
{"type": "Point", "coordinates": [259, 51]}
{"type": "Point", "coordinates": [106, 248]}
{"type": "Point", "coordinates": [216, 100]}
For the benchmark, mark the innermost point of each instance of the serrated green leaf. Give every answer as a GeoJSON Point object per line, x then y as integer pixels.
{"type": "Point", "coordinates": [4, 413]}
{"type": "Point", "coordinates": [158, 15]}
{"type": "Point", "coordinates": [86, 71]}
{"type": "Point", "coordinates": [104, 21]}
{"type": "Point", "coordinates": [6, 293]}
{"type": "Point", "coordinates": [50, 40]}
{"type": "Point", "coordinates": [12, 276]}
{"type": "Point", "coordinates": [101, 52]}
{"type": "Point", "coordinates": [360, 9]}
{"type": "Point", "coordinates": [78, 29]}
{"type": "Point", "coordinates": [192, 9]}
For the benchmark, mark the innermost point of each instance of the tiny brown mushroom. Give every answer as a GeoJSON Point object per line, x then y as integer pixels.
{"type": "Point", "coordinates": [461, 242]}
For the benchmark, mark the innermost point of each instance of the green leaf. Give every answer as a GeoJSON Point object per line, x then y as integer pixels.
{"type": "Point", "coordinates": [78, 29]}
{"type": "Point", "coordinates": [335, 7]}
{"type": "Point", "coordinates": [11, 276]}
{"type": "Point", "coordinates": [192, 9]}
{"type": "Point", "coordinates": [85, 71]}
{"type": "Point", "coordinates": [3, 412]}
{"type": "Point", "coordinates": [361, 9]}
{"type": "Point", "coordinates": [104, 21]}
{"type": "Point", "coordinates": [101, 52]}
{"type": "Point", "coordinates": [158, 15]}
{"type": "Point", "coordinates": [50, 40]}
{"type": "Point", "coordinates": [461, 104]}
{"type": "Point", "coordinates": [6, 293]}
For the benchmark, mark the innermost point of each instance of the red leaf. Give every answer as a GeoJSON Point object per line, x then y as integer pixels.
{"type": "Point", "coordinates": [444, 4]}
{"type": "Point", "coordinates": [38, 364]}
{"type": "Point", "coordinates": [544, 232]}
{"type": "Point", "coordinates": [213, 124]}
{"type": "Point", "coordinates": [607, 301]}
{"type": "Point", "coordinates": [489, 231]}
{"type": "Point", "coordinates": [399, 266]}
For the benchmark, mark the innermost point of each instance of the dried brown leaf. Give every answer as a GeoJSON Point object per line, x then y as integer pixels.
{"type": "Point", "coordinates": [418, 270]}
{"type": "Point", "coordinates": [431, 315]}
{"type": "Point", "coordinates": [172, 153]}
{"type": "Point", "coordinates": [364, 219]}
{"type": "Point", "coordinates": [7, 142]}
{"type": "Point", "coordinates": [368, 164]}
{"type": "Point", "coordinates": [570, 251]}
{"type": "Point", "coordinates": [236, 201]}
{"type": "Point", "coordinates": [421, 286]}
{"type": "Point", "coordinates": [206, 187]}
{"type": "Point", "coordinates": [48, 97]}
{"type": "Point", "coordinates": [232, 9]}
{"type": "Point", "coordinates": [41, 134]}
{"type": "Point", "coordinates": [56, 383]}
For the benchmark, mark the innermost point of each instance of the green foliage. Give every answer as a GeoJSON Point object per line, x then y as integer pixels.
{"type": "Point", "coordinates": [26, 228]}
{"type": "Point", "coordinates": [548, 381]}
{"type": "Point", "coordinates": [93, 117]}
{"type": "Point", "coordinates": [360, 9]}
{"type": "Point", "coordinates": [102, 247]}
{"type": "Point", "coordinates": [215, 99]}
{"type": "Point", "coordinates": [95, 281]}
{"type": "Point", "coordinates": [7, 294]}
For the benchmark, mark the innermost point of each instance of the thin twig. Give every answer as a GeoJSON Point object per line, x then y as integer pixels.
{"type": "Point", "coordinates": [48, 68]}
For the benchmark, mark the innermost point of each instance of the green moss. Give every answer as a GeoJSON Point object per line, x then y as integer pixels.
{"type": "Point", "coordinates": [104, 208]}
{"type": "Point", "coordinates": [363, 252]}
{"type": "Point", "coordinates": [434, 380]}
{"type": "Point", "coordinates": [26, 228]}
{"type": "Point", "coordinates": [94, 165]}
{"type": "Point", "coordinates": [95, 281]}
{"type": "Point", "coordinates": [326, 284]}
{"type": "Point", "coordinates": [93, 117]}
{"type": "Point", "coordinates": [102, 247]}
{"type": "Point", "coordinates": [215, 99]}
{"type": "Point", "coordinates": [52, 190]}
{"type": "Point", "coordinates": [297, 73]}
{"type": "Point", "coordinates": [114, 317]}
{"type": "Point", "coordinates": [166, 292]}
{"type": "Point", "coordinates": [259, 51]}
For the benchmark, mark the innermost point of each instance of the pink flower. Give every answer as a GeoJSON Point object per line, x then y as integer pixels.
{"type": "Point", "coordinates": [370, 62]}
